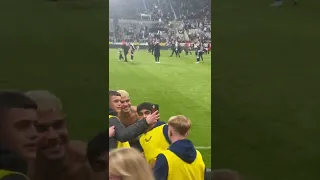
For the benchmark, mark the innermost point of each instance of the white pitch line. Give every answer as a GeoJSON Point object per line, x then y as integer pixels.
{"type": "Point", "coordinates": [203, 147]}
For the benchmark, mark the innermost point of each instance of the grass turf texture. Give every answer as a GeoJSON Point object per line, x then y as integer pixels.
{"type": "Point", "coordinates": [61, 47]}
{"type": "Point", "coordinates": [178, 85]}
{"type": "Point", "coordinates": [265, 89]}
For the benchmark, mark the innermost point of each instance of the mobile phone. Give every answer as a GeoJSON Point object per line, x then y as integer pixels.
{"type": "Point", "coordinates": [155, 107]}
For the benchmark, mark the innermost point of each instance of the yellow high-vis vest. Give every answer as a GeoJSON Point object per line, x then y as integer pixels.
{"type": "Point", "coordinates": [121, 144]}
{"type": "Point", "coordinates": [4, 173]}
{"type": "Point", "coordinates": [153, 143]}
{"type": "Point", "coordinates": [178, 169]}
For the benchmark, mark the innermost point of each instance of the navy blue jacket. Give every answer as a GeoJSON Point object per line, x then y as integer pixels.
{"type": "Point", "coordinates": [184, 149]}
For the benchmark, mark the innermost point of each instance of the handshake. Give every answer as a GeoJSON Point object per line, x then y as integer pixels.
{"type": "Point", "coordinates": [150, 119]}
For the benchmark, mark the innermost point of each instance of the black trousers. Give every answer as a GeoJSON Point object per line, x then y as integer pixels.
{"type": "Point", "coordinates": [175, 51]}
{"type": "Point", "coordinates": [157, 58]}
{"type": "Point", "coordinates": [200, 55]}
{"type": "Point", "coordinates": [120, 57]}
{"type": "Point", "coordinates": [125, 57]}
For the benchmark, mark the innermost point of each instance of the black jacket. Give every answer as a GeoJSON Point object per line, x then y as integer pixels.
{"type": "Point", "coordinates": [11, 161]}
{"type": "Point", "coordinates": [123, 133]}
{"type": "Point", "coordinates": [157, 50]}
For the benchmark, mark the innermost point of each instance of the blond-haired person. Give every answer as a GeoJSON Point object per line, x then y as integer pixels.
{"type": "Point", "coordinates": [181, 160]}
{"type": "Point", "coordinates": [128, 164]}
{"type": "Point", "coordinates": [128, 114]}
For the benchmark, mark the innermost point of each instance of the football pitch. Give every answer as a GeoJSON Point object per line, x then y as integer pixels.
{"type": "Point", "coordinates": [178, 85]}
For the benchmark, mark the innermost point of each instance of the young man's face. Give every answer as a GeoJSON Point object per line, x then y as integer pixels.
{"type": "Point", "coordinates": [54, 136]}
{"type": "Point", "coordinates": [115, 103]}
{"type": "Point", "coordinates": [18, 132]}
{"type": "Point", "coordinates": [144, 113]}
{"type": "Point", "coordinates": [125, 104]}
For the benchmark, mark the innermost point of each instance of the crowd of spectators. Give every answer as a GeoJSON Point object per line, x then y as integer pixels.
{"type": "Point", "coordinates": [183, 20]}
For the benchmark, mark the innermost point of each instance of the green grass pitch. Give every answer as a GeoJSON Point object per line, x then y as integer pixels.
{"type": "Point", "coordinates": [178, 85]}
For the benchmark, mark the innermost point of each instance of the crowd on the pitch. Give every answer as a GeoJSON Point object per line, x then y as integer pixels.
{"type": "Point", "coordinates": [176, 47]}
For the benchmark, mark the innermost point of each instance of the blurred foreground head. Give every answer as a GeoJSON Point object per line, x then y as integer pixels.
{"type": "Point", "coordinates": [51, 125]}
{"type": "Point", "coordinates": [18, 117]}
{"type": "Point", "coordinates": [128, 164]}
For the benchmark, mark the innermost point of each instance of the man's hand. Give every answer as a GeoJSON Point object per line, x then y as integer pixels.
{"type": "Point", "coordinates": [111, 131]}
{"type": "Point", "coordinates": [153, 118]}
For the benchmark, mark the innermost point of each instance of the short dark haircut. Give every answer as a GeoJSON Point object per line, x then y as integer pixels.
{"type": "Point", "coordinates": [96, 147]}
{"type": "Point", "coordinates": [14, 99]}
{"type": "Point", "coordinates": [144, 105]}
{"type": "Point", "coordinates": [114, 93]}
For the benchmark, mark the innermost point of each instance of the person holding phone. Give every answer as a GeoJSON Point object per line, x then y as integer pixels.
{"type": "Point", "coordinates": [122, 133]}
{"type": "Point", "coordinates": [155, 139]}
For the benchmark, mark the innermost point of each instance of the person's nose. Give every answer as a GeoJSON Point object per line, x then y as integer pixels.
{"type": "Point", "coordinates": [52, 134]}
{"type": "Point", "coordinates": [145, 115]}
{"type": "Point", "coordinates": [33, 134]}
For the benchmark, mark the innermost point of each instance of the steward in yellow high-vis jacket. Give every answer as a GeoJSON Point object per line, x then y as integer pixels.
{"type": "Point", "coordinates": [181, 160]}
{"type": "Point", "coordinates": [155, 140]}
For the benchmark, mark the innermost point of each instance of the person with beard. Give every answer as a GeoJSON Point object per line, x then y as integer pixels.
{"type": "Point", "coordinates": [18, 134]}
{"type": "Point", "coordinates": [181, 160]}
{"type": "Point", "coordinates": [157, 52]}
{"type": "Point", "coordinates": [128, 115]}
{"type": "Point", "coordinates": [58, 158]}
{"type": "Point", "coordinates": [124, 134]}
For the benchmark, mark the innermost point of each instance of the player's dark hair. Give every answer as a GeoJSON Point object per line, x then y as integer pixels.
{"type": "Point", "coordinates": [114, 93]}
{"type": "Point", "coordinates": [96, 147]}
{"type": "Point", "coordinates": [14, 99]}
{"type": "Point", "coordinates": [144, 105]}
